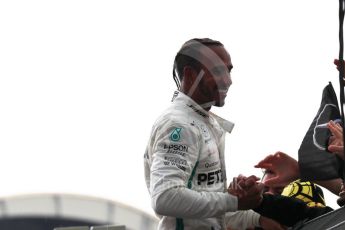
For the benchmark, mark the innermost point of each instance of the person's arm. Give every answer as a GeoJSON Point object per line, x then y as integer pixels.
{"type": "Point", "coordinates": [171, 178]}
{"type": "Point", "coordinates": [242, 219]}
{"type": "Point", "coordinates": [288, 210]}
{"type": "Point", "coordinates": [248, 219]}
{"type": "Point", "coordinates": [185, 203]}
{"type": "Point", "coordinates": [270, 224]}
{"type": "Point", "coordinates": [171, 170]}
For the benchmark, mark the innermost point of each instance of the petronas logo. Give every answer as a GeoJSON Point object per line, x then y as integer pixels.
{"type": "Point", "coordinates": [175, 135]}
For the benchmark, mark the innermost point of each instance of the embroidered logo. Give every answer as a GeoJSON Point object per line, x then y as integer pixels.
{"type": "Point", "coordinates": [175, 135]}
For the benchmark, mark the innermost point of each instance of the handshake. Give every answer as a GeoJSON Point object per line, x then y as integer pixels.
{"type": "Point", "coordinates": [248, 191]}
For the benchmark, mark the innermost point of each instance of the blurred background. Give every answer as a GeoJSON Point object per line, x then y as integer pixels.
{"type": "Point", "coordinates": [81, 83]}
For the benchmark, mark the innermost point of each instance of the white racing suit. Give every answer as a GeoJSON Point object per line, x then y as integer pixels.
{"type": "Point", "coordinates": [185, 168]}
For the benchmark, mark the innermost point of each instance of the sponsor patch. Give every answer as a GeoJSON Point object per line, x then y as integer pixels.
{"type": "Point", "coordinates": [177, 162]}
{"type": "Point", "coordinates": [175, 135]}
{"type": "Point", "coordinates": [208, 165]}
{"type": "Point", "coordinates": [176, 149]}
{"type": "Point", "coordinates": [210, 178]}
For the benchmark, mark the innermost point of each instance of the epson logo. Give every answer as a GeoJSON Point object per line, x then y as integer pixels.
{"type": "Point", "coordinates": [176, 147]}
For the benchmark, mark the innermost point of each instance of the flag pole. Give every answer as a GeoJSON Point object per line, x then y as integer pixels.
{"type": "Point", "coordinates": [341, 200]}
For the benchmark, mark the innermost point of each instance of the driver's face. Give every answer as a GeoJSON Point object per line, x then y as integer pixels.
{"type": "Point", "coordinates": [214, 77]}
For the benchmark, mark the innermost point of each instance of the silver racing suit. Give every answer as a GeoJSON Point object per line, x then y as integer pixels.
{"type": "Point", "coordinates": [185, 168]}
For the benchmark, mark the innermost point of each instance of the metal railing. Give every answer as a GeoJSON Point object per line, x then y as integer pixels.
{"type": "Point", "coordinates": [105, 227]}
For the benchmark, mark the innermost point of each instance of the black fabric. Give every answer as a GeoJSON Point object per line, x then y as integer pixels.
{"type": "Point", "coordinates": [315, 162]}
{"type": "Point", "coordinates": [287, 210]}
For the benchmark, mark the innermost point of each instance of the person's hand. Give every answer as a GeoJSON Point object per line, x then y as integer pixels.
{"type": "Point", "coordinates": [240, 184]}
{"type": "Point", "coordinates": [335, 144]}
{"type": "Point", "coordinates": [284, 168]}
{"type": "Point", "coordinates": [247, 190]}
{"type": "Point", "coordinates": [269, 224]}
{"type": "Point", "coordinates": [337, 63]}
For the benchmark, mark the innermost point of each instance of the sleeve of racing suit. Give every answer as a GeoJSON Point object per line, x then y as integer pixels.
{"type": "Point", "coordinates": [242, 220]}
{"type": "Point", "coordinates": [175, 152]}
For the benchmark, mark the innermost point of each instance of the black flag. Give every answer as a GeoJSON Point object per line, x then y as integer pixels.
{"type": "Point", "coordinates": [315, 161]}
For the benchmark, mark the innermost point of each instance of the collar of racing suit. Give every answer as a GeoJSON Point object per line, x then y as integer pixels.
{"type": "Point", "coordinates": [189, 102]}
